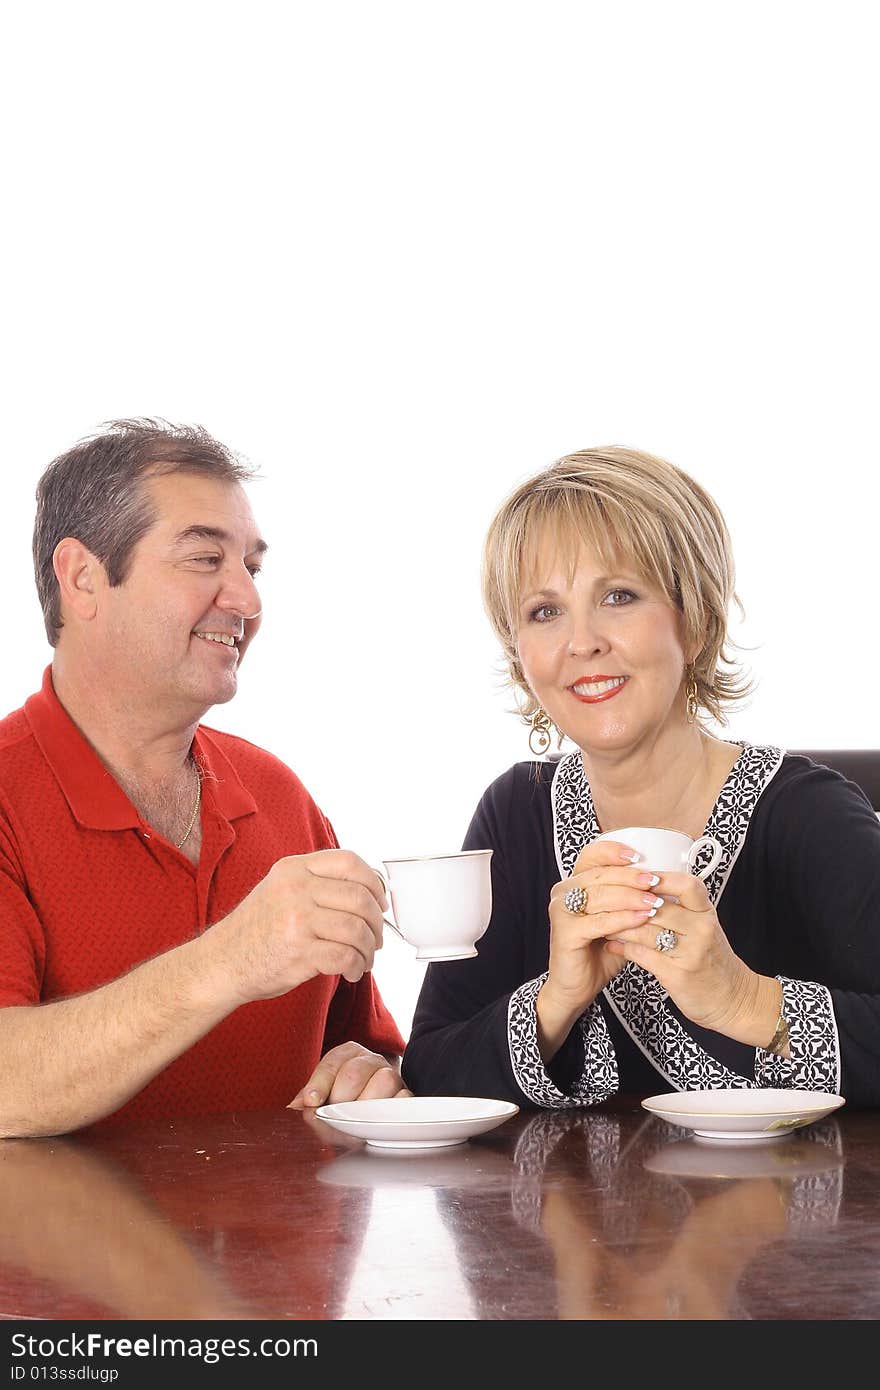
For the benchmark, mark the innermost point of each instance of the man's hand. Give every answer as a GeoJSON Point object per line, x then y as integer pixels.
{"type": "Point", "coordinates": [313, 914]}
{"type": "Point", "coordinates": [72, 1061]}
{"type": "Point", "coordinates": [350, 1072]}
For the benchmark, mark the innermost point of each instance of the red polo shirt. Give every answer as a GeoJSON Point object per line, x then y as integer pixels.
{"type": "Point", "coordinates": [88, 889]}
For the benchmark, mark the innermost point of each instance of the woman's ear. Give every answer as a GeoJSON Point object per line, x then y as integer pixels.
{"type": "Point", "coordinates": [695, 647]}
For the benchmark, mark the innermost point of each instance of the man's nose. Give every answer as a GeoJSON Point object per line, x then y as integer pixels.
{"type": "Point", "coordinates": [239, 593]}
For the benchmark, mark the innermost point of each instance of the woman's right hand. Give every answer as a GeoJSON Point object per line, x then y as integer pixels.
{"type": "Point", "coordinates": [619, 895]}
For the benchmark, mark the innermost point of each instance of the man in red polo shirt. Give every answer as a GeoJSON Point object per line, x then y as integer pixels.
{"type": "Point", "coordinates": [179, 933]}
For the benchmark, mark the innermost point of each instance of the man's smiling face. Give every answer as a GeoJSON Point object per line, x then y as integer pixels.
{"type": "Point", "coordinates": [179, 624]}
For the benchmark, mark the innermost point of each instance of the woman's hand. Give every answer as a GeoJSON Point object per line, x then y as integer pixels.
{"type": "Point", "coordinates": [702, 974]}
{"type": "Point", "coordinates": [619, 897]}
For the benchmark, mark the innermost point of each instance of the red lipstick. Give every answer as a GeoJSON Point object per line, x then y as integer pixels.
{"type": "Point", "coordinates": [597, 680]}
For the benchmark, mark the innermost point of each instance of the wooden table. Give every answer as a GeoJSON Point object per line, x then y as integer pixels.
{"type": "Point", "coordinates": [603, 1214]}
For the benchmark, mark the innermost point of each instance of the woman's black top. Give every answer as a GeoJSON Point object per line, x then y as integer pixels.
{"type": "Point", "coordinates": [797, 891]}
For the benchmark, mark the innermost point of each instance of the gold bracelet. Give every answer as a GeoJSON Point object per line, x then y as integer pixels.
{"type": "Point", "coordinates": [779, 1041]}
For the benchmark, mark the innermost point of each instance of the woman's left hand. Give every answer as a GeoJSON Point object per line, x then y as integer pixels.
{"type": "Point", "coordinates": [702, 975]}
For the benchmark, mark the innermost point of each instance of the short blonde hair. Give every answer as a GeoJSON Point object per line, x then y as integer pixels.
{"type": "Point", "coordinates": [623, 503]}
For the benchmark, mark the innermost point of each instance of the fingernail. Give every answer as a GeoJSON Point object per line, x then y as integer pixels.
{"type": "Point", "coordinates": [314, 1095]}
{"type": "Point", "coordinates": [648, 880]}
{"type": "Point", "coordinates": [652, 902]}
{"type": "Point", "coordinates": [630, 858]}
{"type": "Point", "coordinates": [652, 912]}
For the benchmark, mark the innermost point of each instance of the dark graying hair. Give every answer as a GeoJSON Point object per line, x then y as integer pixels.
{"type": "Point", "coordinates": [95, 492]}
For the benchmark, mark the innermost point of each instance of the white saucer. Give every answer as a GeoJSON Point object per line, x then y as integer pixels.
{"type": "Point", "coordinates": [416, 1122]}
{"type": "Point", "coordinates": [744, 1115]}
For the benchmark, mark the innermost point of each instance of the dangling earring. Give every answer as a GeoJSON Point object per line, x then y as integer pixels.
{"type": "Point", "coordinates": [539, 732]}
{"type": "Point", "coordinates": [690, 695]}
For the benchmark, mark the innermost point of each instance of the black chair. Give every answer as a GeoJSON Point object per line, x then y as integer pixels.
{"type": "Point", "coordinates": [859, 765]}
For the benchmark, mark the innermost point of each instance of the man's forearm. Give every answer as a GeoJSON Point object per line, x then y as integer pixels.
{"type": "Point", "coordinates": [69, 1063]}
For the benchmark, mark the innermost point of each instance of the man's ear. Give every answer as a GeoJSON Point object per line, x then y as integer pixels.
{"type": "Point", "coordinates": [81, 577]}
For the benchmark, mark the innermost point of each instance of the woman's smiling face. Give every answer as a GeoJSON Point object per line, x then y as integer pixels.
{"type": "Point", "coordinates": [602, 651]}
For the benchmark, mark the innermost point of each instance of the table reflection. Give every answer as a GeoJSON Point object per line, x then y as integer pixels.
{"type": "Point", "coordinates": [77, 1223]}
{"type": "Point", "coordinates": [666, 1227]}
{"type": "Point", "coordinates": [589, 1215]}
{"type": "Point", "coordinates": [467, 1167]}
{"type": "Point", "coordinates": [186, 1225]}
{"type": "Point", "coordinates": [600, 1214]}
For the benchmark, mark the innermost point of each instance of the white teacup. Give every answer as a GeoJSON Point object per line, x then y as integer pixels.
{"type": "Point", "coordinates": [667, 851]}
{"type": "Point", "coordinates": [441, 902]}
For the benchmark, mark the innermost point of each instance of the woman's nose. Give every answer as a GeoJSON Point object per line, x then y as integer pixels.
{"type": "Point", "coordinates": [586, 637]}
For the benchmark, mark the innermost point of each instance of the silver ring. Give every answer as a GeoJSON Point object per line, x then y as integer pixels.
{"type": "Point", "coordinates": [576, 901]}
{"type": "Point", "coordinates": [666, 939]}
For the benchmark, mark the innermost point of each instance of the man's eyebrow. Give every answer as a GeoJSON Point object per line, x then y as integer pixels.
{"type": "Point", "coordinates": [198, 532]}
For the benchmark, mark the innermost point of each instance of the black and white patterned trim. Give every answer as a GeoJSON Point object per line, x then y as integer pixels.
{"type": "Point", "coordinates": [729, 820]}
{"type": "Point", "coordinates": [813, 1042]}
{"type": "Point", "coordinates": [637, 998]}
{"type": "Point", "coordinates": [575, 823]}
{"type": "Point", "coordinates": [598, 1080]}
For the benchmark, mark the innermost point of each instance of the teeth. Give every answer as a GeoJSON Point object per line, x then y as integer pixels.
{"type": "Point", "coordinates": [598, 687]}
{"type": "Point", "coordinates": [225, 637]}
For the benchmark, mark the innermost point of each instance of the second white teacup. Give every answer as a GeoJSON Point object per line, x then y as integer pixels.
{"type": "Point", "coordinates": [667, 851]}
{"type": "Point", "coordinates": [442, 903]}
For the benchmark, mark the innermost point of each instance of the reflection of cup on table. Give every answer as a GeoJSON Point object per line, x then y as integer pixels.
{"type": "Point", "coordinates": [667, 851]}
{"type": "Point", "coordinates": [441, 902]}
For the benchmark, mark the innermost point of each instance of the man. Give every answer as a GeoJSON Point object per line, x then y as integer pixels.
{"type": "Point", "coordinates": [179, 933]}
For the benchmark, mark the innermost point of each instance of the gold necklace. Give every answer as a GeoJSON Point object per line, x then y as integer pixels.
{"type": "Point", "coordinates": [192, 819]}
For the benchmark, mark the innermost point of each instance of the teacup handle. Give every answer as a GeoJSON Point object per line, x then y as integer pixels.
{"type": "Point", "coordinates": [704, 842]}
{"type": "Point", "coordinates": [387, 920]}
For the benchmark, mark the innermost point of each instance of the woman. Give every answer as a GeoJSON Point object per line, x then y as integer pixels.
{"type": "Point", "coordinates": [608, 579]}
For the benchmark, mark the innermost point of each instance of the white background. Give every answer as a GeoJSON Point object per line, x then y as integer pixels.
{"type": "Point", "coordinates": [403, 255]}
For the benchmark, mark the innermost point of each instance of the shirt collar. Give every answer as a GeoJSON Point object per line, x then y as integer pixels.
{"type": "Point", "coordinates": [94, 796]}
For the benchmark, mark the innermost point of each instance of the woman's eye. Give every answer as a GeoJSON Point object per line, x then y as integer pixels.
{"type": "Point", "coordinates": [543, 613]}
{"type": "Point", "coordinates": [616, 598]}
{"type": "Point", "coordinates": [254, 570]}
{"type": "Point", "coordinates": [206, 559]}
